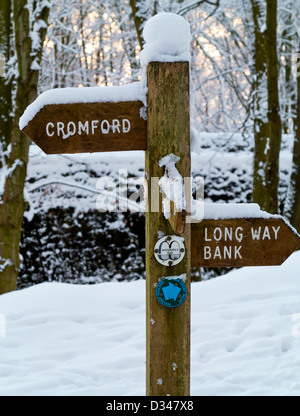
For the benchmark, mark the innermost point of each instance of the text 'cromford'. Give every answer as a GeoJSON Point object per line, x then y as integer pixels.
{"type": "Point", "coordinates": [65, 130]}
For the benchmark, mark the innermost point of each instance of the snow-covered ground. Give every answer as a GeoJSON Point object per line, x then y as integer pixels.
{"type": "Point", "coordinates": [60, 339]}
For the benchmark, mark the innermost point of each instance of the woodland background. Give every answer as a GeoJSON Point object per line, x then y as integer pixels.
{"type": "Point", "coordinates": [246, 124]}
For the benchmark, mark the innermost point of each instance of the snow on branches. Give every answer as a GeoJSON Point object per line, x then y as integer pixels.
{"type": "Point", "coordinates": [38, 14]}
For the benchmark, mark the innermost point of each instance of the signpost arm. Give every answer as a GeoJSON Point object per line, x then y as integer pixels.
{"type": "Point", "coordinates": [168, 329]}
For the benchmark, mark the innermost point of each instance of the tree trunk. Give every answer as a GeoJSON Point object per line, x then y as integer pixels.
{"type": "Point", "coordinates": [138, 22]}
{"type": "Point", "coordinates": [274, 134]}
{"type": "Point", "coordinates": [267, 122]}
{"type": "Point", "coordinates": [292, 207]}
{"type": "Point", "coordinates": [287, 50]}
{"type": "Point", "coordinates": [5, 85]}
{"type": "Point", "coordinates": [14, 162]}
{"type": "Point", "coordinates": [140, 17]}
{"type": "Point", "coordinates": [260, 106]}
{"type": "Point", "coordinates": [6, 263]}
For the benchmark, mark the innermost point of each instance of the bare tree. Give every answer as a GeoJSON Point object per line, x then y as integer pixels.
{"type": "Point", "coordinates": [22, 40]}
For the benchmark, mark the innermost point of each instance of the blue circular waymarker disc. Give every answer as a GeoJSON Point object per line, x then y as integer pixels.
{"type": "Point", "coordinates": [171, 292]}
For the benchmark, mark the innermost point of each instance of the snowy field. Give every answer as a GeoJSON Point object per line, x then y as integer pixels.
{"type": "Point", "coordinates": [60, 339]}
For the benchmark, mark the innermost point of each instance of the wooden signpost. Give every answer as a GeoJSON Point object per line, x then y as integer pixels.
{"type": "Point", "coordinates": [89, 127]}
{"type": "Point", "coordinates": [173, 245]}
{"type": "Point", "coordinates": [239, 242]}
{"type": "Point", "coordinates": [168, 329]}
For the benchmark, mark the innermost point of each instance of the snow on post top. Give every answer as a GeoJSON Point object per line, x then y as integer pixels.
{"type": "Point", "coordinates": [167, 39]}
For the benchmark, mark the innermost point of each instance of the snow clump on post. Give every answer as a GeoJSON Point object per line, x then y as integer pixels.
{"type": "Point", "coordinates": [167, 39]}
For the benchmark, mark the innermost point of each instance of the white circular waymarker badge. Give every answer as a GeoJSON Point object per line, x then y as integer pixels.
{"type": "Point", "coordinates": [169, 250]}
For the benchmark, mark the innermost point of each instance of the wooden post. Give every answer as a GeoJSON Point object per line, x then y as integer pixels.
{"type": "Point", "coordinates": [168, 329]}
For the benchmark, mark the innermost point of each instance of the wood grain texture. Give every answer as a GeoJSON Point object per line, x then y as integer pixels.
{"type": "Point", "coordinates": [240, 242]}
{"type": "Point", "coordinates": [135, 139]}
{"type": "Point", "coordinates": [168, 329]}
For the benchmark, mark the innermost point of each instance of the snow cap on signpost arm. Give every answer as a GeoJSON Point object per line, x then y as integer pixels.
{"type": "Point", "coordinates": [167, 39]}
